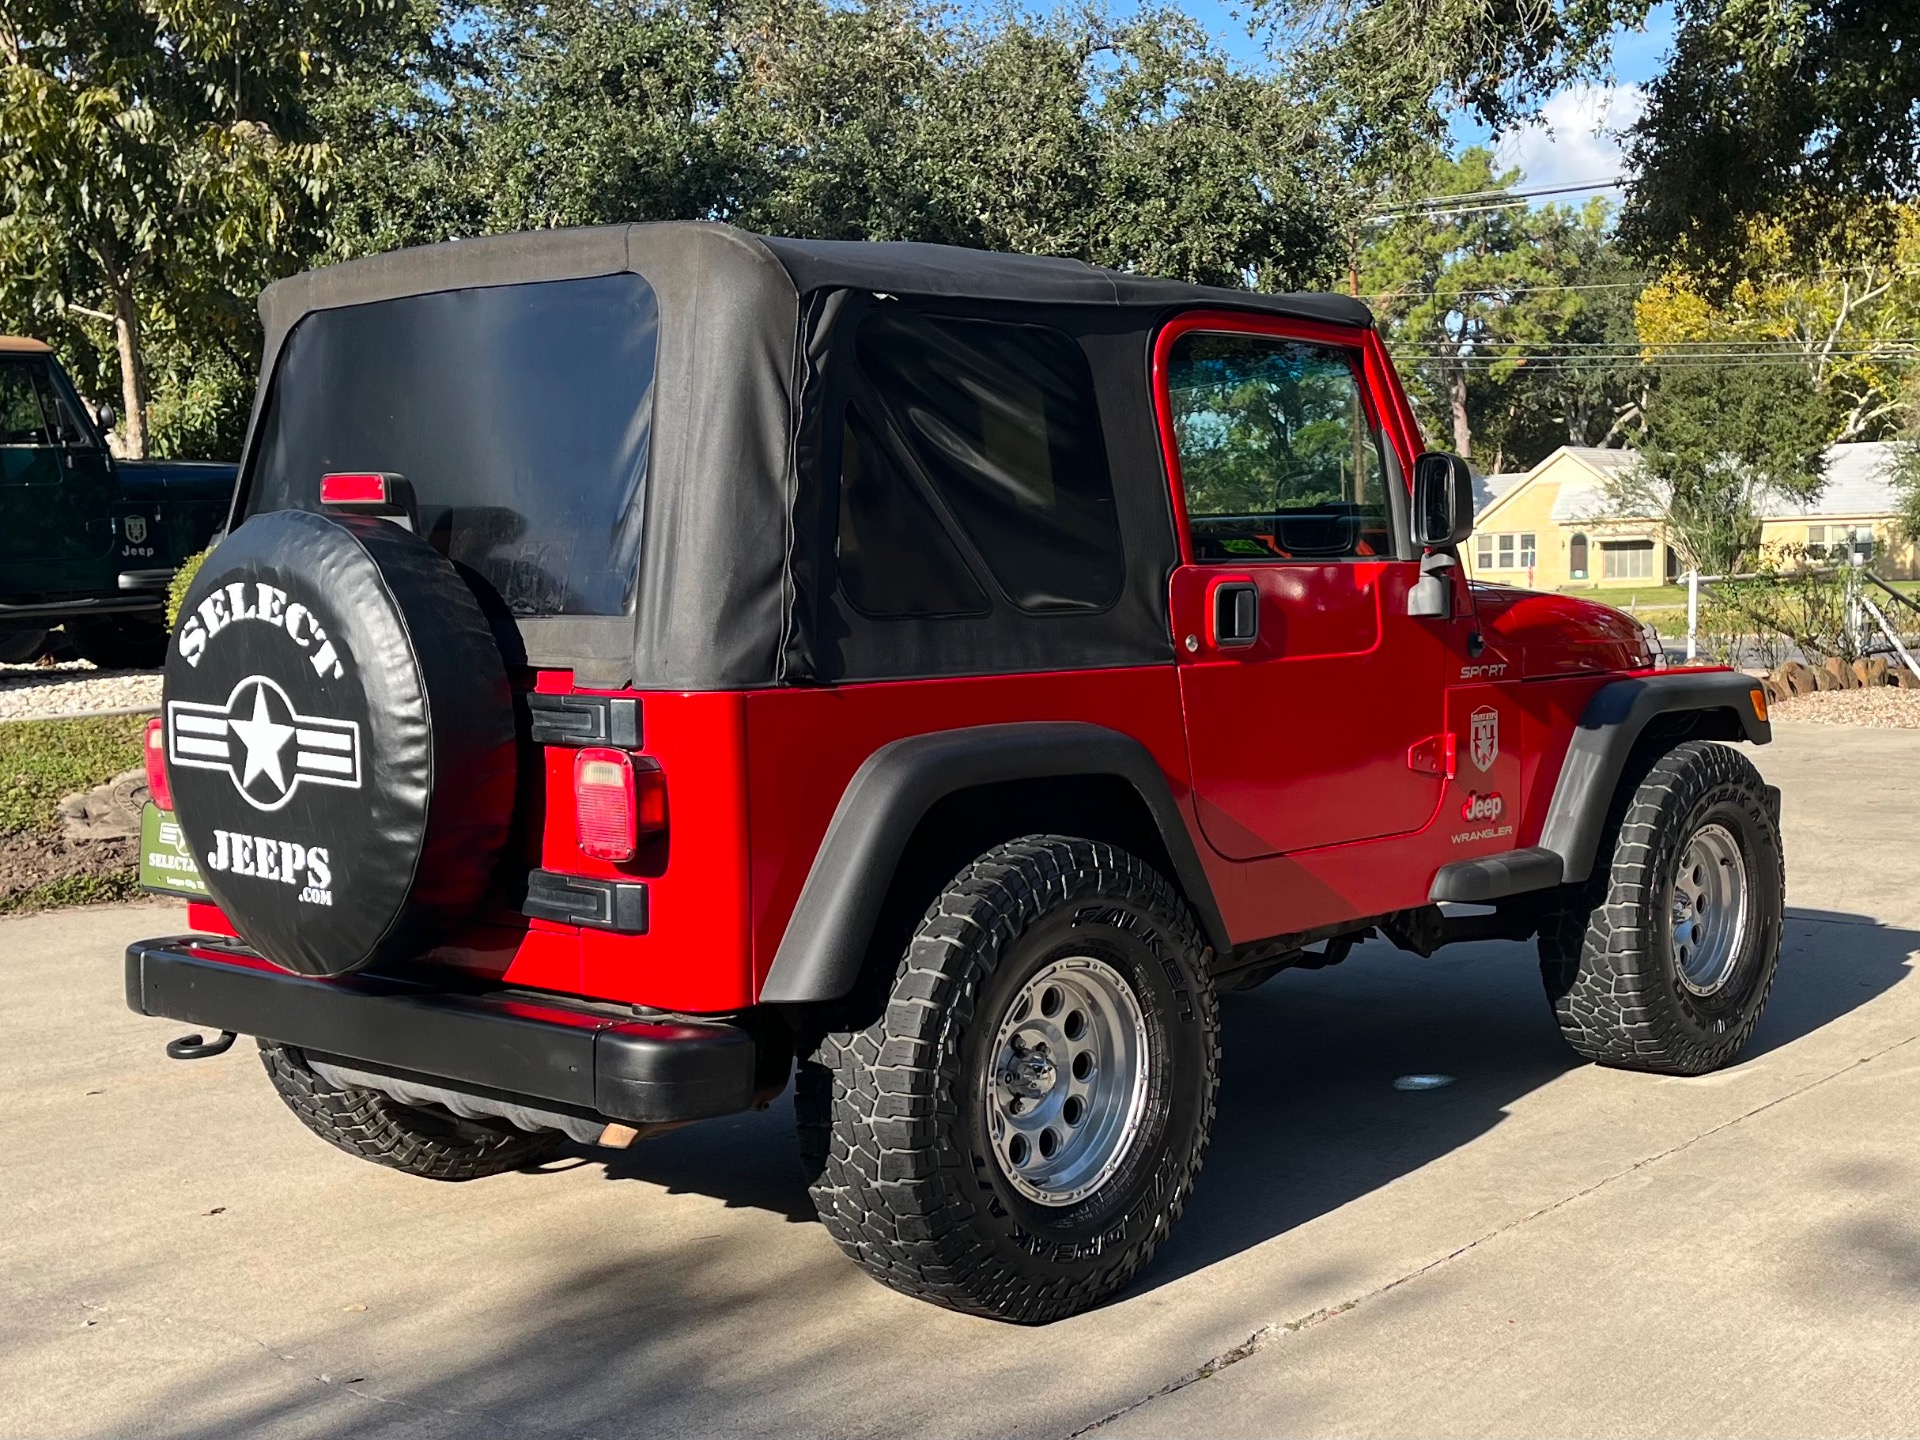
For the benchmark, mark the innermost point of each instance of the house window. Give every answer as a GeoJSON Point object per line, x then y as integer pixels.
{"type": "Point", "coordinates": [1505, 552]}
{"type": "Point", "coordinates": [1839, 543]}
{"type": "Point", "coordinates": [1627, 559]}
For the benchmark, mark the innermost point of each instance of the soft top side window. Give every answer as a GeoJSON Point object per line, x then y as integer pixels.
{"type": "Point", "coordinates": [1279, 459]}
{"type": "Point", "coordinates": [989, 431]}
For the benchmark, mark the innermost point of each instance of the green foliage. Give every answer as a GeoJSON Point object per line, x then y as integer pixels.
{"type": "Point", "coordinates": [1805, 111]}
{"type": "Point", "coordinates": [158, 165]}
{"type": "Point", "coordinates": [1130, 143]}
{"type": "Point", "coordinates": [1783, 609]}
{"type": "Point", "coordinates": [182, 582]}
{"type": "Point", "coordinates": [43, 760]}
{"type": "Point", "coordinates": [73, 890]}
{"type": "Point", "coordinates": [1509, 324]}
{"type": "Point", "coordinates": [1390, 59]}
{"type": "Point", "coordinates": [1720, 443]}
{"type": "Point", "coordinates": [1906, 492]}
{"type": "Point", "coordinates": [1798, 110]}
{"type": "Point", "coordinates": [1906, 476]}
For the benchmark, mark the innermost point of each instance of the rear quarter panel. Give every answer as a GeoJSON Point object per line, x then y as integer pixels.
{"type": "Point", "coordinates": [803, 746]}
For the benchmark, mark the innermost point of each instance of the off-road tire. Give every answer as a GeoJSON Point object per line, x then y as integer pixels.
{"type": "Point", "coordinates": [1607, 955]}
{"type": "Point", "coordinates": [892, 1115]}
{"type": "Point", "coordinates": [22, 647]}
{"type": "Point", "coordinates": [420, 1140]}
{"type": "Point", "coordinates": [119, 642]}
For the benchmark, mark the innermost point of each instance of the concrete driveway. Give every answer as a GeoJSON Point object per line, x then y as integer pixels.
{"type": "Point", "coordinates": [1541, 1247]}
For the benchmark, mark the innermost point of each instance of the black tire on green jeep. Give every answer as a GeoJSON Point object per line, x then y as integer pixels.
{"type": "Point", "coordinates": [22, 647]}
{"type": "Point", "coordinates": [119, 642]}
{"type": "Point", "coordinates": [1018, 1129]}
{"type": "Point", "coordinates": [421, 1140]}
{"type": "Point", "coordinates": [1664, 958]}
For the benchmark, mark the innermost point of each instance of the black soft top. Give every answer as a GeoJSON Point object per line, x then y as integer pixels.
{"type": "Point", "coordinates": [721, 599]}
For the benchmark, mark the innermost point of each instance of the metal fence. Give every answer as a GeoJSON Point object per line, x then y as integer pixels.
{"type": "Point", "coordinates": [1874, 618]}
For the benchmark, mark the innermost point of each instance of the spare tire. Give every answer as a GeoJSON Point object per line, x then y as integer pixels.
{"type": "Point", "coordinates": [340, 739]}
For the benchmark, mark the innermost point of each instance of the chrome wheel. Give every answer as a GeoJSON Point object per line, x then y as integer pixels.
{"type": "Point", "coordinates": [1069, 1082]}
{"type": "Point", "coordinates": [1709, 909]}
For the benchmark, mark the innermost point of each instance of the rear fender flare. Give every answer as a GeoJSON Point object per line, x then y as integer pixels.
{"type": "Point", "coordinates": [1610, 729]}
{"type": "Point", "coordinates": [826, 939]}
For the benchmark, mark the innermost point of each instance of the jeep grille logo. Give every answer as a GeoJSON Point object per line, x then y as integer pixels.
{"type": "Point", "coordinates": [248, 737]}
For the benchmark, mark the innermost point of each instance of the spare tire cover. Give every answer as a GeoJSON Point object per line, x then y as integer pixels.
{"type": "Point", "coordinates": [340, 739]}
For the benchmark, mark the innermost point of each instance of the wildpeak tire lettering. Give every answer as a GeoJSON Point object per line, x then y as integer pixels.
{"type": "Point", "coordinates": [231, 604]}
{"type": "Point", "coordinates": [265, 858]}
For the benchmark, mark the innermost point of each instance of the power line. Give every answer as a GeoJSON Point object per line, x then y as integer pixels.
{"type": "Point", "coordinates": [1502, 193]}
{"type": "Point", "coordinates": [1467, 291]}
{"type": "Point", "coordinates": [1477, 202]}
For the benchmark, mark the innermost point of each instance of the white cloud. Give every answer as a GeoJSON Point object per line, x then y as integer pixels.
{"type": "Point", "coordinates": [1577, 137]}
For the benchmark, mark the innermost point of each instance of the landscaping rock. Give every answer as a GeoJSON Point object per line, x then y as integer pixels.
{"type": "Point", "coordinates": [37, 692]}
{"type": "Point", "coordinates": [1880, 707]}
{"type": "Point", "coordinates": [1796, 678]}
{"type": "Point", "coordinates": [106, 812]}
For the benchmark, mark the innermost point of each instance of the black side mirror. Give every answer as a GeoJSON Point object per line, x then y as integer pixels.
{"type": "Point", "coordinates": [104, 416]}
{"type": "Point", "coordinates": [1442, 501]}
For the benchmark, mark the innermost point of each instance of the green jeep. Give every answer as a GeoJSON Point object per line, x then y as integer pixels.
{"type": "Point", "coordinates": [88, 541]}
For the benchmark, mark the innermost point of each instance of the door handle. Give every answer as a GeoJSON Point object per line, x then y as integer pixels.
{"type": "Point", "coordinates": [1235, 614]}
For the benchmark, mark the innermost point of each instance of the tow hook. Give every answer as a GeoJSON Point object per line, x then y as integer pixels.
{"type": "Point", "coordinates": [198, 1047]}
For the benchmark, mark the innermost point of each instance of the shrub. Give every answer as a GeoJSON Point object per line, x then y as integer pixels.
{"type": "Point", "coordinates": [182, 578]}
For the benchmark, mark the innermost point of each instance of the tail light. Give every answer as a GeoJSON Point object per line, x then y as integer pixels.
{"type": "Point", "coordinates": [158, 785]}
{"type": "Point", "coordinates": [616, 803]}
{"type": "Point", "coordinates": [371, 492]}
{"type": "Point", "coordinates": [354, 489]}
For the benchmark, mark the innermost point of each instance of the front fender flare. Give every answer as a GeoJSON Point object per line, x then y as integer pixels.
{"type": "Point", "coordinates": [1610, 727]}
{"type": "Point", "coordinates": [826, 939]}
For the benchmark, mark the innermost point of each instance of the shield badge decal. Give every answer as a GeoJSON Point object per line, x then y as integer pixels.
{"type": "Point", "coordinates": [1484, 727]}
{"type": "Point", "coordinates": [136, 529]}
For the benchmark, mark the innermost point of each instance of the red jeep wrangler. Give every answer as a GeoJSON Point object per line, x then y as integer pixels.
{"type": "Point", "coordinates": [647, 659]}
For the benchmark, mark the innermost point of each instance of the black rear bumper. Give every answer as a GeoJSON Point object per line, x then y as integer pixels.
{"type": "Point", "coordinates": [508, 1045]}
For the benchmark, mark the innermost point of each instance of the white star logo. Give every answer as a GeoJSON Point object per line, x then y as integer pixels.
{"type": "Point", "coordinates": [264, 738]}
{"type": "Point", "coordinates": [266, 747]}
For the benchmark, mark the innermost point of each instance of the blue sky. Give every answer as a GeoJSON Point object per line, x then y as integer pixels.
{"type": "Point", "coordinates": [1574, 144]}
{"type": "Point", "coordinates": [1577, 140]}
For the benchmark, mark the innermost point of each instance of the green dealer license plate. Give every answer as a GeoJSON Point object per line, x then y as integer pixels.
{"type": "Point", "coordinates": [166, 860]}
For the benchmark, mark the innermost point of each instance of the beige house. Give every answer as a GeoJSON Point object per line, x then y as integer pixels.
{"type": "Point", "coordinates": [1553, 529]}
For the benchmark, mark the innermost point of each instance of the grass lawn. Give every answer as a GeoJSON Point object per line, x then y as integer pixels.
{"type": "Point", "coordinates": [42, 761]}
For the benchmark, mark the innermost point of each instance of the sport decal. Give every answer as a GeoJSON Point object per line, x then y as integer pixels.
{"type": "Point", "coordinates": [266, 748]}
{"type": "Point", "coordinates": [1484, 732]}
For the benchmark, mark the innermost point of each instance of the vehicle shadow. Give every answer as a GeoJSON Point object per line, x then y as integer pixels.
{"type": "Point", "coordinates": [1309, 1117]}
{"type": "Point", "coordinates": [730, 1332]}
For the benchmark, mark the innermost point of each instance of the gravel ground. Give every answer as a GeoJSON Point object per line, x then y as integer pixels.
{"type": "Point", "coordinates": [35, 692]}
{"type": "Point", "coordinates": [1880, 707]}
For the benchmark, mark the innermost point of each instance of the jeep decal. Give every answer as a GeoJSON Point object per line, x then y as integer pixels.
{"type": "Point", "coordinates": [248, 737]}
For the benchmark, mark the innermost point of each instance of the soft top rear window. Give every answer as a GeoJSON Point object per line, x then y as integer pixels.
{"type": "Point", "coordinates": [521, 415]}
